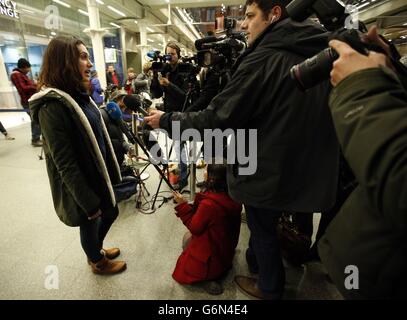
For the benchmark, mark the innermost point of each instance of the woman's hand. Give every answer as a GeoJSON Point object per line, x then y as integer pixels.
{"type": "Point", "coordinates": [179, 198]}
{"type": "Point", "coordinates": [96, 215]}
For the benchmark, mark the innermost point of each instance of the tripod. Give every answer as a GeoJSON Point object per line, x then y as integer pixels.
{"type": "Point", "coordinates": [135, 139]}
{"type": "Point", "coordinates": [41, 155]}
{"type": "Point", "coordinates": [187, 100]}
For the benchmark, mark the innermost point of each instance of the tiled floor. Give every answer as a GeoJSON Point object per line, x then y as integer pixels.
{"type": "Point", "coordinates": [32, 238]}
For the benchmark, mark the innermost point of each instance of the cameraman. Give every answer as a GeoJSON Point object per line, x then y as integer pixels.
{"type": "Point", "coordinates": [297, 160]}
{"type": "Point", "coordinates": [369, 109]}
{"type": "Point", "coordinates": [173, 87]}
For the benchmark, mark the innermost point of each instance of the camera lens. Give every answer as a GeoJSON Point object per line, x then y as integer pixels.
{"type": "Point", "coordinates": [314, 70]}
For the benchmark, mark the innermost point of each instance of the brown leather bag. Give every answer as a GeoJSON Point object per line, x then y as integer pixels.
{"type": "Point", "coordinates": [294, 245]}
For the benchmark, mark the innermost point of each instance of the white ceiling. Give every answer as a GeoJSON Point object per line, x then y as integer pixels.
{"type": "Point", "coordinates": [192, 3]}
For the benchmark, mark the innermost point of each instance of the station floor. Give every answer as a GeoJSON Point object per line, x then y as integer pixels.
{"type": "Point", "coordinates": [36, 245]}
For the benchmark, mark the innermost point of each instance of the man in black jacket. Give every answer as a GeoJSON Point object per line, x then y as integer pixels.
{"type": "Point", "coordinates": [364, 248]}
{"type": "Point", "coordinates": [173, 87]}
{"type": "Point", "coordinates": [297, 160]}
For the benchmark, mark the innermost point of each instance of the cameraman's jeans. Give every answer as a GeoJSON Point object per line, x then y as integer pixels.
{"type": "Point", "coordinates": [35, 127]}
{"type": "Point", "coordinates": [92, 235]}
{"type": "Point", "coordinates": [182, 159]}
{"type": "Point", "coordinates": [264, 247]}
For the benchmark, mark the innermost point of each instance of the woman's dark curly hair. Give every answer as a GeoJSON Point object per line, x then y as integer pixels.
{"type": "Point", "coordinates": [216, 179]}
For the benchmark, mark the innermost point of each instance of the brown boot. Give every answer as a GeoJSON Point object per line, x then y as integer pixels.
{"type": "Point", "coordinates": [249, 287]}
{"type": "Point", "coordinates": [106, 266]}
{"type": "Point", "coordinates": [111, 254]}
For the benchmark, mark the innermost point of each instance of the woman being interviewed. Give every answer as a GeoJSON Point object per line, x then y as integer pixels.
{"type": "Point", "coordinates": [80, 159]}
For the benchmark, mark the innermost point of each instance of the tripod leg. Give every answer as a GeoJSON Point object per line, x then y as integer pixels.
{"type": "Point", "coordinates": [156, 194]}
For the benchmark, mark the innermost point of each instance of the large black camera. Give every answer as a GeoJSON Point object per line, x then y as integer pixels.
{"type": "Point", "coordinates": [189, 68]}
{"type": "Point", "coordinates": [221, 52]}
{"type": "Point", "coordinates": [159, 62]}
{"type": "Point", "coordinates": [334, 18]}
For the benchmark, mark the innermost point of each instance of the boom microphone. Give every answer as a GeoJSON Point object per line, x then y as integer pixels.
{"type": "Point", "coordinates": [134, 103]}
{"type": "Point", "coordinates": [114, 111]}
{"type": "Point", "coordinates": [116, 114]}
{"type": "Point", "coordinates": [200, 42]}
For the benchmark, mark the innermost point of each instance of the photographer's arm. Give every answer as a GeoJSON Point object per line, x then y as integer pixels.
{"type": "Point", "coordinates": [196, 221]}
{"type": "Point", "coordinates": [155, 88]}
{"type": "Point", "coordinates": [369, 108]}
{"type": "Point", "coordinates": [140, 82]}
{"type": "Point", "coordinates": [227, 110]}
{"type": "Point", "coordinates": [173, 90]}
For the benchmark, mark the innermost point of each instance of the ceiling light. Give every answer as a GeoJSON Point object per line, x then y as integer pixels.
{"type": "Point", "coordinates": [114, 25]}
{"type": "Point", "coordinates": [363, 5]}
{"type": "Point", "coordinates": [29, 11]}
{"type": "Point", "coordinates": [117, 11]}
{"type": "Point", "coordinates": [135, 21]}
{"type": "Point", "coordinates": [100, 1]}
{"type": "Point", "coordinates": [149, 29]}
{"type": "Point", "coordinates": [53, 33]}
{"type": "Point", "coordinates": [149, 40]}
{"type": "Point", "coordinates": [85, 13]}
{"type": "Point", "coordinates": [62, 3]}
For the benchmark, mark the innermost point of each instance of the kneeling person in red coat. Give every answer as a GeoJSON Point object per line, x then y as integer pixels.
{"type": "Point", "coordinates": [213, 222]}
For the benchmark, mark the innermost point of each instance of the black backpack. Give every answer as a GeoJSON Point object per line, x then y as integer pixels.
{"type": "Point", "coordinates": [126, 188]}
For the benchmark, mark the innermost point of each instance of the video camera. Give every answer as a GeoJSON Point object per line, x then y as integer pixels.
{"type": "Point", "coordinates": [159, 62]}
{"type": "Point", "coordinates": [189, 68]}
{"type": "Point", "coordinates": [334, 18]}
{"type": "Point", "coordinates": [222, 51]}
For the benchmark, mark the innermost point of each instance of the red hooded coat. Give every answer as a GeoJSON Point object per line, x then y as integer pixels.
{"type": "Point", "coordinates": [214, 221]}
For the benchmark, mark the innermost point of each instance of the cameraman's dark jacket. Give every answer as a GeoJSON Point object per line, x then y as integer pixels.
{"type": "Point", "coordinates": [297, 148]}
{"type": "Point", "coordinates": [370, 231]}
{"type": "Point", "coordinates": [80, 178]}
{"type": "Point", "coordinates": [175, 93]}
{"type": "Point", "coordinates": [213, 83]}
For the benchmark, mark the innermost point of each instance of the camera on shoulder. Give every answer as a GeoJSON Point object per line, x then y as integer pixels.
{"type": "Point", "coordinates": [335, 18]}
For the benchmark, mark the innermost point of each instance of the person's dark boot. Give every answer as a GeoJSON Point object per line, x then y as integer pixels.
{"type": "Point", "coordinates": [37, 143]}
{"type": "Point", "coordinates": [212, 287]}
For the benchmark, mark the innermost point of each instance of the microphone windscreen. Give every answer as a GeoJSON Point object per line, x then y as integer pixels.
{"type": "Point", "coordinates": [132, 102]}
{"type": "Point", "coordinates": [113, 110]}
{"type": "Point", "coordinates": [200, 42]}
{"type": "Point", "coordinates": [152, 54]}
